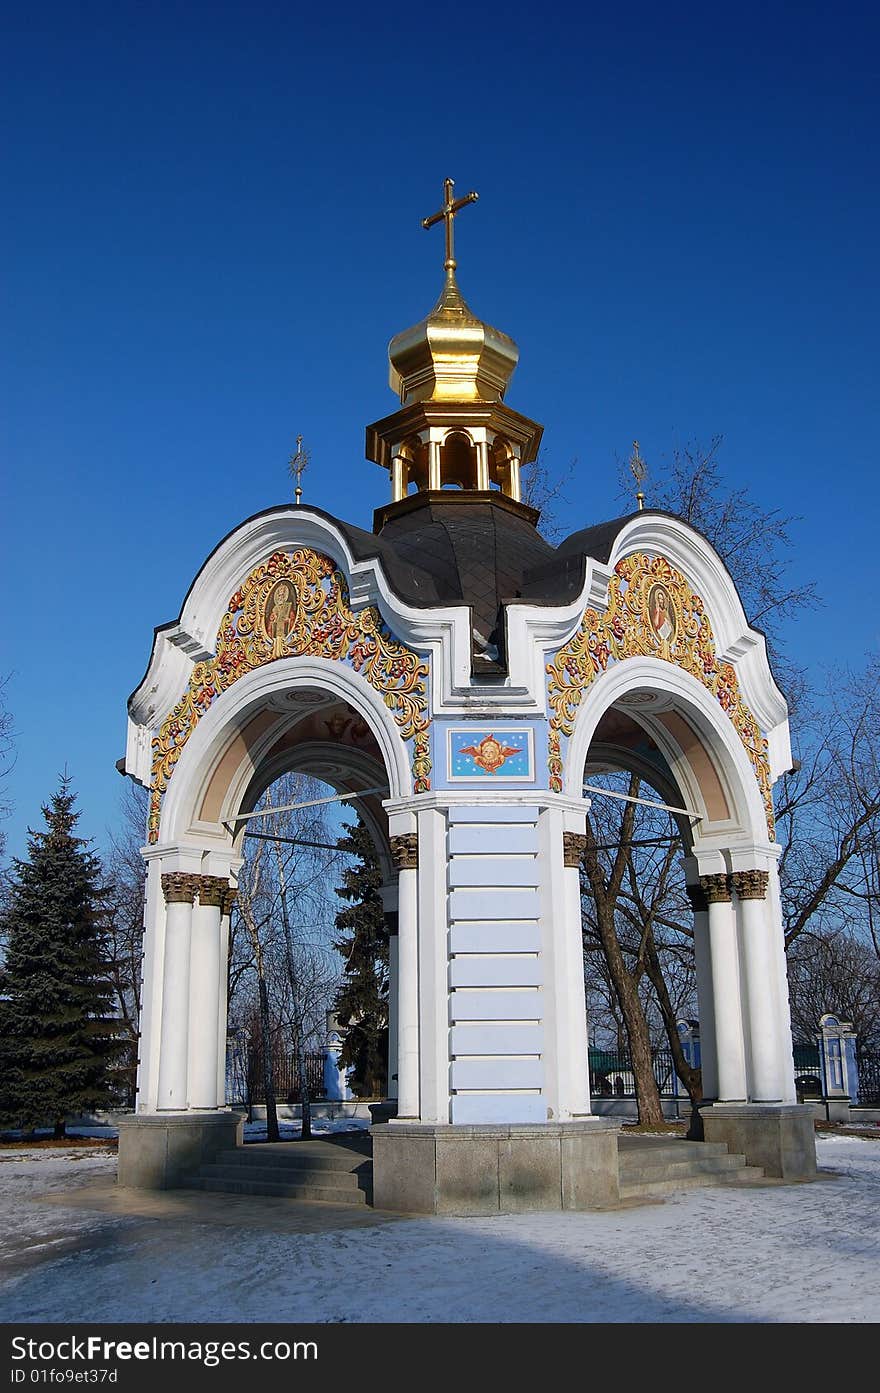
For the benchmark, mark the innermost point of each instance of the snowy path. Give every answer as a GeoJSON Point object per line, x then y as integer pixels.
{"type": "Point", "coordinates": [782, 1253]}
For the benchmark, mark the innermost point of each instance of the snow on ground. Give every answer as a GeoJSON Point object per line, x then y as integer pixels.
{"type": "Point", "coordinates": [801, 1253]}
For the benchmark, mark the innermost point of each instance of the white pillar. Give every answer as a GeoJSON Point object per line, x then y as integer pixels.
{"type": "Point", "coordinates": [204, 992]}
{"type": "Point", "coordinates": [729, 1042]}
{"type": "Point", "coordinates": [434, 441]}
{"type": "Point", "coordinates": [404, 850]}
{"type": "Point", "coordinates": [180, 890]}
{"type": "Point", "coordinates": [751, 890]}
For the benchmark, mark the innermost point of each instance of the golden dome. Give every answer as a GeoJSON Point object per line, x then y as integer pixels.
{"type": "Point", "coordinates": [451, 355]}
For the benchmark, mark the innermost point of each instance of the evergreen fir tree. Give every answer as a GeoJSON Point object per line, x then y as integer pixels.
{"type": "Point", "coordinates": [56, 1031]}
{"type": "Point", "coordinates": [362, 1002]}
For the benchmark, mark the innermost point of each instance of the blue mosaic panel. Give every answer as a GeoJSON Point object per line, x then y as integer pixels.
{"type": "Point", "coordinates": [491, 753]}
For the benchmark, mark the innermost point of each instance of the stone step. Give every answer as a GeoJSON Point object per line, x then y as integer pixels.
{"type": "Point", "coordinates": [657, 1168]}
{"type": "Point", "coordinates": [286, 1175]}
{"type": "Point", "coordinates": [304, 1157]}
{"type": "Point", "coordinates": [742, 1175]}
{"type": "Point", "coordinates": [245, 1185]}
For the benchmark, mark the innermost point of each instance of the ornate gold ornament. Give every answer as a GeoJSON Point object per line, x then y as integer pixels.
{"type": "Point", "coordinates": [297, 605]}
{"type": "Point", "coordinates": [652, 612]}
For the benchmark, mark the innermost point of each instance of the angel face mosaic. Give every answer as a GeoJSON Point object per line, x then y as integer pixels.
{"type": "Point", "coordinates": [296, 605]}
{"type": "Point", "coordinates": [652, 612]}
{"type": "Point", "coordinates": [490, 754]}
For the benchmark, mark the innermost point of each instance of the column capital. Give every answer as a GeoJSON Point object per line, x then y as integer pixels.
{"type": "Point", "coordinates": [716, 888]}
{"type": "Point", "coordinates": [574, 844]}
{"type": "Point", "coordinates": [697, 896]}
{"type": "Point", "coordinates": [179, 887]}
{"type": "Point", "coordinates": [230, 895]}
{"type": "Point", "coordinates": [751, 885]}
{"type": "Point", "coordinates": [212, 889]}
{"type": "Point", "coordinates": [405, 851]}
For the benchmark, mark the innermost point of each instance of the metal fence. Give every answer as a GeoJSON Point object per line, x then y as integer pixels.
{"type": "Point", "coordinates": [868, 1063]}
{"type": "Point", "coordinates": [611, 1074]}
{"type": "Point", "coordinates": [250, 1081]}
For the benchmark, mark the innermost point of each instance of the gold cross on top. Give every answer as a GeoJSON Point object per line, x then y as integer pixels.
{"type": "Point", "coordinates": [447, 212]}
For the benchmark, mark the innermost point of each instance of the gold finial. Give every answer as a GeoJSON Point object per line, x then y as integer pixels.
{"type": "Point", "coordinates": [448, 211]}
{"type": "Point", "coordinates": [297, 465]}
{"type": "Point", "coordinates": [639, 470]}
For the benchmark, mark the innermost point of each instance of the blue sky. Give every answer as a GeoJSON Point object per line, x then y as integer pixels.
{"type": "Point", "coordinates": [213, 230]}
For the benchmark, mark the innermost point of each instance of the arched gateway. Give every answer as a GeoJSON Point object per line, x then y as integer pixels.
{"type": "Point", "coordinates": [470, 674]}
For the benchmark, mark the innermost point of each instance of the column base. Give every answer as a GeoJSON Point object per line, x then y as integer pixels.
{"type": "Point", "coordinates": [780, 1137]}
{"type": "Point", "coordinates": [423, 1168]}
{"type": "Point", "coordinates": [159, 1151]}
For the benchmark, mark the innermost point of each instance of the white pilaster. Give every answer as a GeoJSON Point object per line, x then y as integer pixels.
{"type": "Point", "coordinates": [433, 987]}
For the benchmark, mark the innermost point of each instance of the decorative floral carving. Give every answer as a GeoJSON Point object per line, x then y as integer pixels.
{"type": "Point", "coordinates": [297, 605]}
{"type": "Point", "coordinates": [405, 851]}
{"type": "Point", "coordinates": [652, 611]}
{"type": "Point", "coordinates": [716, 888]}
{"type": "Point", "coordinates": [574, 844]}
{"type": "Point", "coordinates": [212, 889]}
{"type": "Point", "coordinates": [179, 887]}
{"type": "Point", "coordinates": [751, 885]}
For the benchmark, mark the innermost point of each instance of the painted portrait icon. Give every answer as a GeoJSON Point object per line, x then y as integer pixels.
{"type": "Point", "coordinates": [279, 612]}
{"type": "Point", "coordinates": [661, 615]}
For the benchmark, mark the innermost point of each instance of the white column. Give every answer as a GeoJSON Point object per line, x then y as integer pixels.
{"type": "Point", "coordinates": [180, 890]}
{"type": "Point", "coordinates": [204, 993]}
{"type": "Point", "coordinates": [729, 1042]}
{"type": "Point", "coordinates": [433, 966]}
{"type": "Point", "coordinates": [393, 1013]}
{"type": "Point", "coordinates": [751, 890]}
{"type": "Point", "coordinates": [404, 850]}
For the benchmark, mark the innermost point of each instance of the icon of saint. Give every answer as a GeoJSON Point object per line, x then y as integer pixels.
{"type": "Point", "coordinates": [660, 614]}
{"type": "Point", "coordinates": [278, 617]}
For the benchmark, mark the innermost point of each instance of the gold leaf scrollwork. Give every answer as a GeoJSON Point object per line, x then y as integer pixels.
{"type": "Point", "coordinates": [652, 612]}
{"type": "Point", "coordinates": [297, 605]}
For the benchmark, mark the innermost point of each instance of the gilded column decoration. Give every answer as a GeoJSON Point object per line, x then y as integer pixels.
{"type": "Point", "coordinates": [652, 612]}
{"type": "Point", "coordinates": [716, 888]}
{"type": "Point", "coordinates": [297, 605]}
{"type": "Point", "coordinates": [751, 885]}
{"type": "Point", "coordinates": [574, 844]}
{"type": "Point", "coordinates": [230, 895]}
{"type": "Point", "coordinates": [179, 887]}
{"type": "Point", "coordinates": [405, 851]}
{"type": "Point", "coordinates": [212, 889]}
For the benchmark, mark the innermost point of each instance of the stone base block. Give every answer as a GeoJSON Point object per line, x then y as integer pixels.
{"type": "Point", "coordinates": [158, 1151]}
{"type": "Point", "coordinates": [779, 1137]}
{"type": "Point", "coordinates": [837, 1109]}
{"type": "Point", "coordinates": [419, 1168]}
